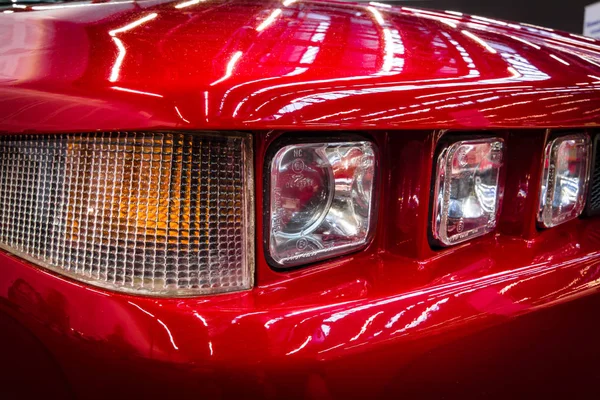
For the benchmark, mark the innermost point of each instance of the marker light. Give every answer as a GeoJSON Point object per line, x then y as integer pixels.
{"type": "Point", "coordinates": [565, 179]}
{"type": "Point", "coordinates": [467, 190]}
{"type": "Point", "coordinates": [321, 201]}
{"type": "Point", "coordinates": [158, 213]}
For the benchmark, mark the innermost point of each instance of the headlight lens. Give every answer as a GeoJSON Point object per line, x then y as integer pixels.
{"type": "Point", "coordinates": [467, 190]}
{"type": "Point", "coordinates": [565, 178]}
{"type": "Point", "coordinates": [321, 200]}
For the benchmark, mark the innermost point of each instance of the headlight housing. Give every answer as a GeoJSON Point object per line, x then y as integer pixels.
{"type": "Point", "coordinates": [564, 180]}
{"type": "Point", "coordinates": [320, 200]}
{"type": "Point", "coordinates": [467, 191]}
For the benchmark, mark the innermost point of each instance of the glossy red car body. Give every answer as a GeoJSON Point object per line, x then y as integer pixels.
{"type": "Point", "coordinates": [397, 318]}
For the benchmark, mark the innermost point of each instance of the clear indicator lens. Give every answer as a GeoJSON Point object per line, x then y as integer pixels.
{"type": "Point", "coordinates": [564, 180]}
{"type": "Point", "coordinates": [467, 190]}
{"type": "Point", "coordinates": [320, 200]}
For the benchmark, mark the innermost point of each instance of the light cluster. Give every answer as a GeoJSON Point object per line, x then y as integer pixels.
{"type": "Point", "coordinates": [162, 213]}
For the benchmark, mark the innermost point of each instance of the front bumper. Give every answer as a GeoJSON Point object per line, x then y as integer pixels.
{"type": "Point", "coordinates": [338, 340]}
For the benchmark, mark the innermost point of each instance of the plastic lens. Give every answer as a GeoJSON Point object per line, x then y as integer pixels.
{"type": "Point", "coordinates": [320, 200]}
{"type": "Point", "coordinates": [564, 181]}
{"type": "Point", "coordinates": [166, 214]}
{"type": "Point", "coordinates": [467, 190]}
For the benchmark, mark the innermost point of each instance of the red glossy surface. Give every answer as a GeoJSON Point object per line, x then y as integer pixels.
{"type": "Point", "coordinates": [217, 64]}
{"type": "Point", "coordinates": [397, 318]}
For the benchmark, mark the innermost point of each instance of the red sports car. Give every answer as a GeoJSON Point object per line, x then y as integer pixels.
{"type": "Point", "coordinates": [295, 199]}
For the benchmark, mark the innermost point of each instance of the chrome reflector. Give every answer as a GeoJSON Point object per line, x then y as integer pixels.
{"type": "Point", "coordinates": [157, 213]}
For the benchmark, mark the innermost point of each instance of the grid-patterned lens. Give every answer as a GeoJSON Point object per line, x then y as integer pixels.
{"type": "Point", "coordinates": [161, 213]}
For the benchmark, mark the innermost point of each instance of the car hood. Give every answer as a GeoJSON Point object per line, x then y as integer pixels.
{"type": "Point", "coordinates": [214, 64]}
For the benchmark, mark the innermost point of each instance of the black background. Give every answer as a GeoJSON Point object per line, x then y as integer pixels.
{"type": "Point", "coordinates": [565, 15]}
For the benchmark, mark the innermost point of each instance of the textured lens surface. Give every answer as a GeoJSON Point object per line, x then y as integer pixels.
{"type": "Point", "coordinates": [162, 213]}
{"type": "Point", "coordinates": [564, 182]}
{"type": "Point", "coordinates": [321, 200]}
{"type": "Point", "coordinates": [467, 190]}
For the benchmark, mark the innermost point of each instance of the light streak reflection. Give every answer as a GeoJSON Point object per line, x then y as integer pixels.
{"type": "Point", "coordinates": [479, 40]}
{"type": "Point", "coordinates": [303, 345]}
{"type": "Point", "coordinates": [169, 333]}
{"type": "Point", "coordinates": [122, 89]}
{"type": "Point", "coordinates": [559, 59]}
{"type": "Point", "coordinates": [376, 4]}
{"type": "Point", "coordinates": [269, 20]}
{"type": "Point", "coordinates": [230, 66]}
{"type": "Point", "coordinates": [121, 51]}
{"type": "Point", "coordinates": [366, 325]}
{"type": "Point", "coordinates": [133, 24]}
{"type": "Point", "coordinates": [181, 116]}
{"type": "Point", "coordinates": [424, 316]}
{"type": "Point", "coordinates": [188, 3]}
{"type": "Point", "coordinates": [159, 321]}
{"type": "Point", "coordinates": [116, 68]}
{"type": "Point", "coordinates": [74, 5]}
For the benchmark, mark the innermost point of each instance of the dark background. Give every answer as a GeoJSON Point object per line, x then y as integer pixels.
{"type": "Point", "coordinates": [565, 15]}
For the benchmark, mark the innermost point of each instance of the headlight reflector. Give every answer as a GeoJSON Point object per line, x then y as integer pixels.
{"type": "Point", "coordinates": [564, 180]}
{"type": "Point", "coordinates": [467, 190]}
{"type": "Point", "coordinates": [321, 200]}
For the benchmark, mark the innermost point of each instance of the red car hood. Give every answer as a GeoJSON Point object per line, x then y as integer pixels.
{"type": "Point", "coordinates": [212, 64]}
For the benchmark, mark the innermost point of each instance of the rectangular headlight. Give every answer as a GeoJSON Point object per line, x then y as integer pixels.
{"type": "Point", "coordinates": [156, 213]}
{"type": "Point", "coordinates": [564, 180]}
{"type": "Point", "coordinates": [321, 201]}
{"type": "Point", "coordinates": [467, 190]}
